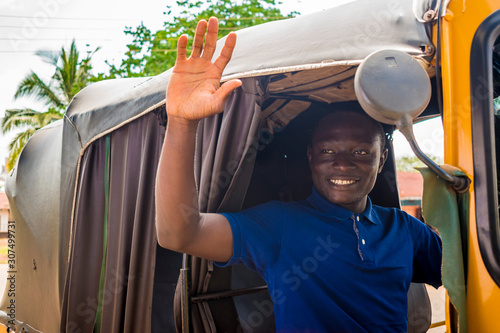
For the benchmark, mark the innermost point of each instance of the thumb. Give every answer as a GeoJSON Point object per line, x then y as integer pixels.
{"type": "Point", "coordinates": [226, 89]}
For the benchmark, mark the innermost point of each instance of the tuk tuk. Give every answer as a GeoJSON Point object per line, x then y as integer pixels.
{"type": "Point", "coordinates": [84, 255]}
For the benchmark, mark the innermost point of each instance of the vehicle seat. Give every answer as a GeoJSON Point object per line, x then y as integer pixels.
{"type": "Point", "coordinates": [419, 309]}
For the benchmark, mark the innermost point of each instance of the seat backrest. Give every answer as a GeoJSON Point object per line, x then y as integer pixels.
{"type": "Point", "coordinates": [419, 309]}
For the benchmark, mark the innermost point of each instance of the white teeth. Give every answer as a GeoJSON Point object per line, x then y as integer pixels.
{"type": "Point", "coordinates": [342, 182]}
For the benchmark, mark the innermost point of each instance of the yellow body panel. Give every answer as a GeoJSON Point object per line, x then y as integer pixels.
{"type": "Point", "coordinates": [458, 27]}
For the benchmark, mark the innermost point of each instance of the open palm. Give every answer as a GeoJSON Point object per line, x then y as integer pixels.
{"type": "Point", "coordinates": [194, 90]}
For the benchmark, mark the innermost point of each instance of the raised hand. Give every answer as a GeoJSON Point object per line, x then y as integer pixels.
{"type": "Point", "coordinates": [194, 91]}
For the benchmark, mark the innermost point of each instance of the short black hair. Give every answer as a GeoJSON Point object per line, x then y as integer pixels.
{"type": "Point", "coordinates": [351, 107]}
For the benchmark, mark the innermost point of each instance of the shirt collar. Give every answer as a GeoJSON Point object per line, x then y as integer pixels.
{"type": "Point", "coordinates": [320, 203]}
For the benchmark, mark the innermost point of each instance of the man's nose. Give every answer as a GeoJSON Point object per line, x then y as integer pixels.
{"type": "Point", "coordinates": [342, 160]}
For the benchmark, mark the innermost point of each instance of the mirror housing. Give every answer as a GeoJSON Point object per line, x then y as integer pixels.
{"type": "Point", "coordinates": [393, 88]}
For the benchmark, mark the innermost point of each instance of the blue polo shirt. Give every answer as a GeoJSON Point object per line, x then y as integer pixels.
{"type": "Point", "coordinates": [330, 270]}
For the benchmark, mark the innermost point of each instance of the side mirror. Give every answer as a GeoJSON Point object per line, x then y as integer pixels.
{"type": "Point", "coordinates": [393, 88]}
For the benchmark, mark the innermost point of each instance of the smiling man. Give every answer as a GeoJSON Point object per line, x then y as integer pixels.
{"type": "Point", "coordinates": [346, 154]}
{"type": "Point", "coordinates": [333, 262]}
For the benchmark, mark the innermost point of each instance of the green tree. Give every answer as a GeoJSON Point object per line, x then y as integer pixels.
{"type": "Point", "coordinates": [71, 74]}
{"type": "Point", "coordinates": [153, 53]}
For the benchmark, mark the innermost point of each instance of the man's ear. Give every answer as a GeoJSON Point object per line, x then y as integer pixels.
{"type": "Point", "coordinates": [383, 158]}
{"type": "Point", "coordinates": [309, 154]}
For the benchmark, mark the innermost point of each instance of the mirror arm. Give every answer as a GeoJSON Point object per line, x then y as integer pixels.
{"type": "Point", "coordinates": [461, 184]}
{"type": "Point", "coordinates": [387, 79]}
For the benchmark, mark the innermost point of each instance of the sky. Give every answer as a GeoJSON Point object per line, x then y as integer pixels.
{"type": "Point", "coordinates": [30, 25]}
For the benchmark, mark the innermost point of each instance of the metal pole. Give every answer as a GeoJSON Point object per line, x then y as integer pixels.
{"type": "Point", "coordinates": [460, 184]}
{"type": "Point", "coordinates": [185, 297]}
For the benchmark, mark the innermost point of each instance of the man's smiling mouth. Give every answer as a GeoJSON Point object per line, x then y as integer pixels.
{"type": "Point", "coordinates": [342, 181]}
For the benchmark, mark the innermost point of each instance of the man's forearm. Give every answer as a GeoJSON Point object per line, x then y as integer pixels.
{"type": "Point", "coordinates": [177, 213]}
{"type": "Point", "coordinates": [193, 93]}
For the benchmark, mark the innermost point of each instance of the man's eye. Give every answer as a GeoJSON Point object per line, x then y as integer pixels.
{"type": "Point", "coordinates": [326, 151]}
{"type": "Point", "coordinates": [361, 152]}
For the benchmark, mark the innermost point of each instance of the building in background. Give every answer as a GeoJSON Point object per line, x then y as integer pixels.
{"type": "Point", "coordinates": [4, 203]}
{"type": "Point", "coordinates": [410, 184]}
{"type": "Point", "coordinates": [4, 214]}
{"type": "Point", "coordinates": [3, 177]}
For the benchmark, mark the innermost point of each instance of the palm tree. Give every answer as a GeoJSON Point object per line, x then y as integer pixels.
{"type": "Point", "coordinates": [70, 76]}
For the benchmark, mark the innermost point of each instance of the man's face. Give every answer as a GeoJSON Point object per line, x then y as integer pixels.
{"type": "Point", "coordinates": [345, 157]}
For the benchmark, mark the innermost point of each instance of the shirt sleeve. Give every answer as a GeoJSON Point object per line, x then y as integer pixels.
{"type": "Point", "coordinates": [257, 236]}
{"type": "Point", "coordinates": [427, 253]}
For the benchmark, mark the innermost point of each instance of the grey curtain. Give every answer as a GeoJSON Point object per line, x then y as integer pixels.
{"type": "Point", "coordinates": [126, 291]}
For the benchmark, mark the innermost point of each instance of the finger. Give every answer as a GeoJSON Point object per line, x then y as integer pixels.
{"type": "Point", "coordinates": [199, 35]}
{"type": "Point", "coordinates": [211, 40]}
{"type": "Point", "coordinates": [226, 89]}
{"type": "Point", "coordinates": [227, 51]}
{"type": "Point", "coordinates": [181, 47]}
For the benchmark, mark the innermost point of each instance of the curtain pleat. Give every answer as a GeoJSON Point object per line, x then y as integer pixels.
{"type": "Point", "coordinates": [131, 247]}
{"type": "Point", "coordinates": [80, 300]}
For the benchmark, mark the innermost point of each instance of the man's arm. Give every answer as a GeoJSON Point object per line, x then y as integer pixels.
{"type": "Point", "coordinates": [193, 93]}
{"type": "Point", "coordinates": [428, 254]}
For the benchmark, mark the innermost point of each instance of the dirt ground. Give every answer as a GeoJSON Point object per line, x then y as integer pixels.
{"type": "Point", "coordinates": [437, 298]}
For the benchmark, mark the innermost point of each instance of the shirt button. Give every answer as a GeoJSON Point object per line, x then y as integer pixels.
{"type": "Point", "coordinates": [363, 241]}
{"type": "Point", "coordinates": [357, 218]}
